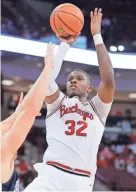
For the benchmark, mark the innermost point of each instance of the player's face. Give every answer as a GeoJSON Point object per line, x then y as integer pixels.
{"type": "Point", "coordinates": [78, 84]}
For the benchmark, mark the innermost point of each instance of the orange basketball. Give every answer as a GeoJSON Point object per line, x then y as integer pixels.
{"type": "Point", "coordinates": [66, 20]}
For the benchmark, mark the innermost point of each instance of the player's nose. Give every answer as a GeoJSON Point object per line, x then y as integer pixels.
{"type": "Point", "coordinates": [73, 81]}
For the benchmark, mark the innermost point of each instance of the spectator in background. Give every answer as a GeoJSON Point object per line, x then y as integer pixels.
{"type": "Point", "coordinates": [106, 22]}
{"type": "Point", "coordinates": [118, 113]}
{"type": "Point", "coordinates": [13, 102]}
{"type": "Point", "coordinates": [119, 163]}
{"type": "Point", "coordinates": [125, 125]}
{"type": "Point", "coordinates": [128, 114]}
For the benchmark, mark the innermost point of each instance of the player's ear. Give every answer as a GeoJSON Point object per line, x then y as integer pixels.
{"type": "Point", "coordinates": [90, 88]}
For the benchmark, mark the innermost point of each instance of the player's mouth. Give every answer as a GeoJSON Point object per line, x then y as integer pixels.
{"type": "Point", "coordinates": [73, 87]}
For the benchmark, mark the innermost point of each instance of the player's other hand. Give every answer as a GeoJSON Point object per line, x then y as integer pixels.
{"type": "Point", "coordinates": [96, 18]}
{"type": "Point", "coordinates": [50, 56]}
{"type": "Point", "coordinates": [19, 103]}
{"type": "Point", "coordinates": [70, 39]}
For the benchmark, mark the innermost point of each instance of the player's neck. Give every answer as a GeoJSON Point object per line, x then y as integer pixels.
{"type": "Point", "coordinates": [83, 99]}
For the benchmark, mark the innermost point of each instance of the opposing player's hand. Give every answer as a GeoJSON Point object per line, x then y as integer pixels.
{"type": "Point", "coordinates": [20, 101]}
{"type": "Point", "coordinates": [96, 18]}
{"type": "Point", "coordinates": [49, 57]}
{"type": "Point", "coordinates": [70, 40]}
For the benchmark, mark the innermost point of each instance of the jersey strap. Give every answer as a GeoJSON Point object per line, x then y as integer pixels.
{"type": "Point", "coordinates": [95, 110]}
{"type": "Point", "coordinates": [59, 105]}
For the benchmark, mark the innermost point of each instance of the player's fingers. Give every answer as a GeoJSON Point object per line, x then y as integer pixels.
{"type": "Point", "coordinates": [50, 48]}
{"type": "Point", "coordinates": [21, 97]}
{"type": "Point", "coordinates": [92, 17]}
{"type": "Point", "coordinates": [96, 12]}
{"type": "Point", "coordinates": [91, 14]}
{"type": "Point", "coordinates": [100, 11]}
{"type": "Point", "coordinates": [47, 50]}
{"type": "Point", "coordinates": [53, 49]}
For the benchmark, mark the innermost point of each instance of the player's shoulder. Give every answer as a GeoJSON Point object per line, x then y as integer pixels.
{"type": "Point", "coordinates": [12, 184]}
{"type": "Point", "coordinates": [101, 108]}
{"type": "Point", "coordinates": [97, 102]}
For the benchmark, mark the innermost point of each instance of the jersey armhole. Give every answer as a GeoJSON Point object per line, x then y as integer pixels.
{"type": "Point", "coordinates": [58, 106]}
{"type": "Point", "coordinates": [95, 110]}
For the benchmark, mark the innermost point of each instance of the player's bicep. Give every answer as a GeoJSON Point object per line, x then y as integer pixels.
{"type": "Point", "coordinates": [106, 92]}
{"type": "Point", "coordinates": [52, 106]}
{"type": "Point", "coordinates": [102, 108]}
{"type": "Point", "coordinates": [50, 99]}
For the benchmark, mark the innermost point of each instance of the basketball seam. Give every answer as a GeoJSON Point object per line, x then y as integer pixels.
{"type": "Point", "coordinates": [55, 23]}
{"type": "Point", "coordinates": [65, 23]}
{"type": "Point", "coordinates": [71, 14]}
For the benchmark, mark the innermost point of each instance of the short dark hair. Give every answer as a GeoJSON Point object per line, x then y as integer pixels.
{"type": "Point", "coordinates": [87, 75]}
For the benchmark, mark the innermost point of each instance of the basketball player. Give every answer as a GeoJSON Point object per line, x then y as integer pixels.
{"type": "Point", "coordinates": [75, 125]}
{"type": "Point", "coordinates": [16, 127]}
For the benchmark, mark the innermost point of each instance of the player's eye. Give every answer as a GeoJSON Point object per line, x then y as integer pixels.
{"type": "Point", "coordinates": [79, 78]}
{"type": "Point", "coordinates": [69, 79]}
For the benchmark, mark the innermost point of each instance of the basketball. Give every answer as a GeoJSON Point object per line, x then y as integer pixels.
{"type": "Point", "coordinates": [66, 20]}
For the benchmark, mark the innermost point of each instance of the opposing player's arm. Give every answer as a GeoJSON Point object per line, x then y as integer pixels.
{"type": "Point", "coordinates": [14, 138]}
{"type": "Point", "coordinates": [7, 123]}
{"type": "Point", "coordinates": [107, 86]}
{"type": "Point", "coordinates": [36, 95]}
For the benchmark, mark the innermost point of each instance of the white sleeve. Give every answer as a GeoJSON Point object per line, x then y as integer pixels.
{"type": "Point", "coordinates": [102, 108]}
{"type": "Point", "coordinates": [55, 104]}
{"type": "Point", "coordinates": [59, 57]}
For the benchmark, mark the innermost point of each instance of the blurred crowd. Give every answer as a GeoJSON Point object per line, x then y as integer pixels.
{"type": "Point", "coordinates": [112, 30]}
{"type": "Point", "coordinates": [31, 152]}
{"type": "Point", "coordinates": [120, 156]}
{"type": "Point", "coordinates": [19, 28]}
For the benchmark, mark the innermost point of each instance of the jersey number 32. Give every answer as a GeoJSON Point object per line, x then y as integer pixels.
{"type": "Point", "coordinates": [72, 128]}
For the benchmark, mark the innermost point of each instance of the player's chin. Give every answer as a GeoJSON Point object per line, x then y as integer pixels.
{"type": "Point", "coordinates": [73, 93]}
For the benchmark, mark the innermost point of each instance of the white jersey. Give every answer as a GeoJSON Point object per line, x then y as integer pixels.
{"type": "Point", "coordinates": [74, 131]}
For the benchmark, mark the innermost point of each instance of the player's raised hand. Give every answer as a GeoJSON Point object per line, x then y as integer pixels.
{"type": "Point", "coordinates": [70, 39]}
{"type": "Point", "coordinates": [20, 101]}
{"type": "Point", "coordinates": [49, 57]}
{"type": "Point", "coordinates": [96, 18]}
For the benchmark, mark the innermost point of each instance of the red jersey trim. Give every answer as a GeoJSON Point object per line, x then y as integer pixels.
{"type": "Point", "coordinates": [95, 110]}
{"type": "Point", "coordinates": [68, 168]}
{"type": "Point", "coordinates": [49, 115]}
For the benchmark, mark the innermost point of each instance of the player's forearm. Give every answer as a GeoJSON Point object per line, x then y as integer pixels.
{"type": "Point", "coordinates": [105, 65]}
{"type": "Point", "coordinates": [59, 57]}
{"type": "Point", "coordinates": [36, 95]}
{"type": "Point", "coordinates": [18, 132]}
{"type": "Point", "coordinates": [7, 123]}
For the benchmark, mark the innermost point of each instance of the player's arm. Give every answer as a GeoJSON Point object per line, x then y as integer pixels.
{"type": "Point", "coordinates": [36, 95]}
{"type": "Point", "coordinates": [54, 92]}
{"type": "Point", "coordinates": [107, 86]}
{"type": "Point", "coordinates": [14, 138]}
{"type": "Point", "coordinates": [7, 123]}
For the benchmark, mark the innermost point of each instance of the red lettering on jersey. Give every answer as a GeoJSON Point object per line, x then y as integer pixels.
{"type": "Point", "coordinates": [74, 109]}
